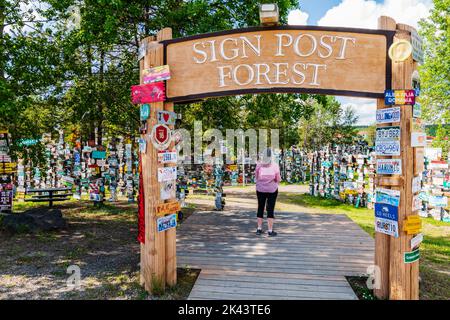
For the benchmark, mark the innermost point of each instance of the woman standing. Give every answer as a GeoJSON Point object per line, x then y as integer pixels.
{"type": "Point", "coordinates": [267, 174]}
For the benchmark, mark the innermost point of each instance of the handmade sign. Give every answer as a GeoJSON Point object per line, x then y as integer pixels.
{"type": "Point", "coordinates": [387, 196]}
{"type": "Point", "coordinates": [166, 208]}
{"type": "Point", "coordinates": [438, 165]}
{"type": "Point", "coordinates": [388, 134]}
{"type": "Point", "coordinates": [400, 97]}
{"type": "Point", "coordinates": [389, 166]}
{"type": "Point", "coordinates": [388, 115]}
{"type": "Point", "coordinates": [416, 241]}
{"type": "Point", "coordinates": [412, 225]}
{"type": "Point", "coordinates": [148, 93]}
{"type": "Point", "coordinates": [168, 190]}
{"type": "Point", "coordinates": [156, 74]}
{"type": "Point", "coordinates": [167, 156]}
{"type": "Point", "coordinates": [166, 117]}
{"type": "Point", "coordinates": [166, 223]}
{"type": "Point", "coordinates": [161, 136]}
{"type": "Point", "coordinates": [387, 148]}
{"type": "Point", "coordinates": [144, 111]}
{"type": "Point", "coordinates": [167, 174]}
{"type": "Point", "coordinates": [410, 257]}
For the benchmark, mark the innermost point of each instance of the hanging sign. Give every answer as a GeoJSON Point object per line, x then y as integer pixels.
{"type": "Point", "coordinates": [168, 190]}
{"type": "Point", "coordinates": [386, 226]}
{"type": "Point", "coordinates": [388, 115]}
{"type": "Point", "coordinates": [388, 134]}
{"type": "Point", "coordinates": [144, 111]}
{"type": "Point", "coordinates": [160, 136]}
{"type": "Point", "coordinates": [410, 257]}
{"type": "Point", "coordinates": [167, 208]}
{"type": "Point", "coordinates": [166, 223]}
{"type": "Point", "coordinates": [400, 97]}
{"type": "Point", "coordinates": [166, 117]}
{"type": "Point", "coordinates": [417, 47]}
{"type": "Point", "coordinates": [156, 74]}
{"type": "Point", "coordinates": [389, 166]}
{"type": "Point", "coordinates": [148, 93]}
{"type": "Point", "coordinates": [438, 201]}
{"type": "Point", "coordinates": [388, 196]}
{"type": "Point", "coordinates": [412, 225]}
{"type": "Point", "coordinates": [416, 184]}
{"type": "Point", "coordinates": [386, 211]}
{"type": "Point", "coordinates": [167, 174]}
{"type": "Point", "coordinates": [387, 148]}
{"type": "Point", "coordinates": [167, 156]}
{"type": "Point", "coordinates": [416, 241]}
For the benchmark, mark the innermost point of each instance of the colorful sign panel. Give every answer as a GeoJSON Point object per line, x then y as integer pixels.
{"type": "Point", "coordinates": [386, 211]}
{"type": "Point", "coordinates": [386, 226]}
{"type": "Point", "coordinates": [400, 97]}
{"type": "Point", "coordinates": [387, 148]}
{"type": "Point", "coordinates": [166, 208]}
{"type": "Point", "coordinates": [167, 156]}
{"type": "Point", "coordinates": [166, 223]}
{"type": "Point", "coordinates": [412, 225]}
{"type": "Point", "coordinates": [167, 174]}
{"type": "Point", "coordinates": [160, 136]}
{"type": "Point", "coordinates": [388, 134]}
{"type": "Point", "coordinates": [387, 196]}
{"type": "Point", "coordinates": [144, 111]}
{"type": "Point", "coordinates": [98, 155]}
{"type": "Point", "coordinates": [148, 93]}
{"type": "Point", "coordinates": [412, 256]}
{"type": "Point", "coordinates": [166, 117]}
{"type": "Point", "coordinates": [417, 111]}
{"type": "Point", "coordinates": [156, 74]}
{"type": "Point", "coordinates": [389, 166]}
{"type": "Point", "coordinates": [388, 115]}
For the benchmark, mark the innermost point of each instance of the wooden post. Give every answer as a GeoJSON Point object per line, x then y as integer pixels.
{"type": "Point", "coordinates": [399, 281]}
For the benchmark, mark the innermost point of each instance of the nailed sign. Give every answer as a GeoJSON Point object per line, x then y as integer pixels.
{"type": "Point", "coordinates": [410, 257]}
{"type": "Point", "coordinates": [167, 174]}
{"type": "Point", "coordinates": [417, 45]}
{"type": "Point", "coordinates": [166, 117]}
{"type": "Point", "coordinates": [277, 59]}
{"type": "Point", "coordinates": [166, 223]}
{"type": "Point", "coordinates": [388, 134]}
{"type": "Point", "coordinates": [168, 190]}
{"type": "Point", "coordinates": [167, 156]}
{"type": "Point", "coordinates": [412, 225]}
{"type": "Point", "coordinates": [389, 166]}
{"type": "Point", "coordinates": [166, 208]}
{"type": "Point", "coordinates": [388, 115]}
{"type": "Point", "coordinates": [160, 136]}
{"type": "Point", "coordinates": [156, 74]}
{"type": "Point", "coordinates": [386, 211]}
{"type": "Point", "coordinates": [387, 148]}
{"type": "Point", "coordinates": [148, 93]}
{"type": "Point", "coordinates": [386, 226]}
{"type": "Point", "coordinates": [387, 196]}
{"type": "Point", "coordinates": [400, 97]}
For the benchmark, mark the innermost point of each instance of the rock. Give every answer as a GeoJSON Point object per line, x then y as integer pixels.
{"type": "Point", "coordinates": [34, 220]}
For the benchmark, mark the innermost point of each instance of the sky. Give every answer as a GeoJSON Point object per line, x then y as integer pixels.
{"type": "Point", "coordinates": [359, 14]}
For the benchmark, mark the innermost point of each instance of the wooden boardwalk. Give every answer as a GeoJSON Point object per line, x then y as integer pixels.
{"type": "Point", "coordinates": [309, 258]}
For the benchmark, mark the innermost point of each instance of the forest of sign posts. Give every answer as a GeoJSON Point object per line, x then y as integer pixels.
{"type": "Point", "coordinates": [272, 59]}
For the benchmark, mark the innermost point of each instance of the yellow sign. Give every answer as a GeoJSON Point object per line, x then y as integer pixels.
{"type": "Point", "coordinates": [412, 225]}
{"type": "Point", "coordinates": [400, 51]}
{"type": "Point", "coordinates": [166, 208]}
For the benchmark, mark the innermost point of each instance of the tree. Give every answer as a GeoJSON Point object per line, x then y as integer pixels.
{"type": "Point", "coordinates": [435, 73]}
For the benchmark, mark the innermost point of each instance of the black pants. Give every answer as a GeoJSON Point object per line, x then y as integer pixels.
{"type": "Point", "coordinates": [270, 198]}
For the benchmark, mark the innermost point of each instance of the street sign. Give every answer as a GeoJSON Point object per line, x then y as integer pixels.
{"type": "Point", "coordinates": [166, 208]}
{"type": "Point", "coordinates": [410, 257]}
{"type": "Point", "coordinates": [387, 148]}
{"type": "Point", "coordinates": [166, 223]}
{"type": "Point", "coordinates": [412, 225]}
{"type": "Point", "coordinates": [389, 166]}
{"type": "Point", "coordinates": [388, 115]}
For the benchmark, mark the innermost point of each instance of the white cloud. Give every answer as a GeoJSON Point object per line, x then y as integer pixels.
{"type": "Point", "coordinates": [365, 13]}
{"type": "Point", "coordinates": [298, 17]}
{"type": "Point", "coordinates": [365, 109]}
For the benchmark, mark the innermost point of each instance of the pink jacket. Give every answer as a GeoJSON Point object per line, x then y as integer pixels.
{"type": "Point", "coordinates": [267, 177]}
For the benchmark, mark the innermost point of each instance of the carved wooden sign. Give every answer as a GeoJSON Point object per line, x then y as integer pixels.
{"type": "Point", "coordinates": [279, 59]}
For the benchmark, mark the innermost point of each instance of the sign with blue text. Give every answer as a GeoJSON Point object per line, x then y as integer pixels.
{"type": "Point", "coordinates": [389, 166]}
{"type": "Point", "coordinates": [387, 148]}
{"type": "Point", "coordinates": [167, 222]}
{"type": "Point", "coordinates": [400, 97]}
{"type": "Point", "coordinates": [388, 115]}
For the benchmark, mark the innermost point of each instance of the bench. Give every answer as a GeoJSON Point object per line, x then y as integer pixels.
{"type": "Point", "coordinates": [49, 195]}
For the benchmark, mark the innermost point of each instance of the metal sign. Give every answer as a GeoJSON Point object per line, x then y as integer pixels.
{"type": "Point", "coordinates": [386, 211]}
{"type": "Point", "coordinates": [389, 166]}
{"type": "Point", "coordinates": [166, 117]}
{"type": "Point", "coordinates": [388, 115]}
{"type": "Point", "coordinates": [400, 97]}
{"type": "Point", "coordinates": [167, 156]}
{"type": "Point", "coordinates": [387, 196]}
{"type": "Point", "coordinates": [410, 257]}
{"type": "Point", "coordinates": [98, 155]}
{"type": "Point", "coordinates": [386, 226]}
{"type": "Point", "coordinates": [387, 148]}
{"type": "Point", "coordinates": [166, 223]}
{"type": "Point", "coordinates": [167, 174]}
{"type": "Point", "coordinates": [388, 134]}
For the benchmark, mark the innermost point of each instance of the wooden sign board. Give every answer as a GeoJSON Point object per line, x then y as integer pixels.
{"type": "Point", "coordinates": [279, 59]}
{"type": "Point", "coordinates": [167, 208]}
{"type": "Point", "coordinates": [412, 225]}
{"type": "Point", "coordinates": [148, 93]}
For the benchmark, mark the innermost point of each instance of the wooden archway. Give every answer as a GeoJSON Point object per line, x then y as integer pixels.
{"type": "Point", "coordinates": [302, 59]}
